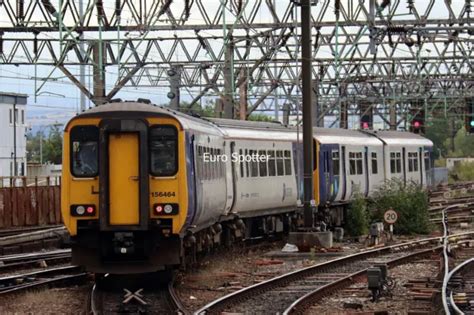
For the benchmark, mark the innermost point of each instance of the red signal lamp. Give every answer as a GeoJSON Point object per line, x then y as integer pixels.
{"type": "Point", "coordinates": [365, 125]}
{"type": "Point", "coordinates": [416, 124]}
{"type": "Point", "coordinates": [90, 210]}
{"type": "Point", "coordinates": [159, 209]}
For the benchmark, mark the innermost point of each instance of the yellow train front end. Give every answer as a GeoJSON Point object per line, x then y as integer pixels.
{"type": "Point", "coordinates": [124, 192]}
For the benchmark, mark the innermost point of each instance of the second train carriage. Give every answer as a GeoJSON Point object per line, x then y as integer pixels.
{"type": "Point", "coordinates": [141, 182]}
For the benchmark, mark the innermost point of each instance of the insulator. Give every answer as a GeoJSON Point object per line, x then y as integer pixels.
{"type": "Point", "coordinates": [247, 41]}
{"type": "Point", "coordinates": [418, 39]}
{"type": "Point", "coordinates": [239, 6]}
{"type": "Point", "coordinates": [100, 8]}
{"type": "Point", "coordinates": [397, 29]}
{"type": "Point", "coordinates": [337, 7]}
{"type": "Point", "coordinates": [35, 44]}
{"type": "Point", "coordinates": [468, 6]}
{"type": "Point", "coordinates": [118, 8]}
{"type": "Point", "coordinates": [411, 5]}
{"type": "Point", "coordinates": [20, 9]}
{"type": "Point", "coordinates": [1, 43]}
{"type": "Point", "coordinates": [187, 9]}
{"type": "Point", "coordinates": [321, 70]}
{"type": "Point", "coordinates": [48, 6]}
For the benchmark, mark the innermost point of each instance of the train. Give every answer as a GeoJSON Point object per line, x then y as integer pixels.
{"type": "Point", "coordinates": [146, 188]}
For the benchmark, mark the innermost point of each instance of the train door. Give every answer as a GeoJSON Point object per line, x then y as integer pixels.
{"type": "Point", "coordinates": [336, 169]}
{"type": "Point", "coordinates": [343, 173]}
{"type": "Point", "coordinates": [124, 179]}
{"type": "Point", "coordinates": [420, 166]}
{"type": "Point", "coordinates": [232, 179]}
{"type": "Point", "coordinates": [366, 166]}
{"type": "Point", "coordinates": [404, 166]}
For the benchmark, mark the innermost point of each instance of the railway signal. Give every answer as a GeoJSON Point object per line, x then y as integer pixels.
{"type": "Point", "coordinates": [174, 75]}
{"type": "Point", "coordinates": [470, 115]}
{"type": "Point", "coordinates": [366, 122]}
{"type": "Point", "coordinates": [418, 121]}
{"type": "Point", "coordinates": [366, 116]}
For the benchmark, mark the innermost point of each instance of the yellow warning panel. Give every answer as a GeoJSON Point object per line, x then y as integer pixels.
{"type": "Point", "coordinates": [124, 179]}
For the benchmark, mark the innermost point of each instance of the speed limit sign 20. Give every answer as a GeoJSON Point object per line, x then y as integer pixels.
{"type": "Point", "coordinates": [390, 216]}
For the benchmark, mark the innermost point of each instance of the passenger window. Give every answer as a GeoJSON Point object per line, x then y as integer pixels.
{"type": "Point", "coordinates": [247, 165]}
{"type": "Point", "coordinates": [352, 163]}
{"type": "Point", "coordinates": [205, 163]}
{"type": "Point", "coordinates": [395, 162]}
{"type": "Point", "coordinates": [280, 170]}
{"type": "Point", "coordinates": [254, 164]}
{"type": "Point", "coordinates": [375, 169]}
{"type": "Point", "coordinates": [262, 165]}
{"type": "Point", "coordinates": [271, 163]}
{"type": "Point", "coordinates": [287, 156]}
{"type": "Point", "coordinates": [360, 169]}
{"type": "Point", "coordinates": [335, 163]}
{"type": "Point", "coordinates": [199, 161]}
{"type": "Point", "coordinates": [163, 150]}
{"type": "Point", "coordinates": [241, 164]}
{"type": "Point", "coordinates": [85, 151]}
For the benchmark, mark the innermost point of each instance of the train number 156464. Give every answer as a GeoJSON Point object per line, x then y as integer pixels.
{"type": "Point", "coordinates": [163, 194]}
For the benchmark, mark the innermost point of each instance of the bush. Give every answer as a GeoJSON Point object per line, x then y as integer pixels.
{"type": "Point", "coordinates": [357, 221]}
{"type": "Point", "coordinates": [409, 201]}
{"type": "Point", "coordinates": [463, 172]}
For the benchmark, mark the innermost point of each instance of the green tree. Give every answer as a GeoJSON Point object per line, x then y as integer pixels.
{"type": "Point", "coordinates": [52, 146]}
{"type": "Point", "coordinates": [463, 144]}
{"type": "Point", "coordinates": [437, 133]}
{"type": "Point", "coordinates": [33, 147]}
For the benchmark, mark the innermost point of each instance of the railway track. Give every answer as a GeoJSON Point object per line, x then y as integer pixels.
{"type": "Point", "coordinates": [37, 279]}
{"type": "Point", "coordinates": [290, 292]}
{"type": "Point", "coordinates": [160, 299]}
{"type": "Point", "coordinates": [41, 259]}
{"type": "Point", "coordinates": [23, 230]}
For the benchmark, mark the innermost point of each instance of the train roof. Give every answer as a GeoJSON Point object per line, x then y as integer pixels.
{"type": "Point", "coordinates": [345, 136]}
{"type": "Point", "coordinates": [254, 130]}
{"type": "Point", "coordinates": [392, 137]}
{"type": "Point", "coordinates": [186, 121]}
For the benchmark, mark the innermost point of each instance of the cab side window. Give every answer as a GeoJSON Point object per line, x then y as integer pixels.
{"type": "Point", "coordinates": [163, 150]}
{"type": "Point", "coordinates": [84, 151]}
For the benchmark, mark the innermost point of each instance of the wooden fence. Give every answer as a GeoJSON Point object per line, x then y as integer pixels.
{"type": "Point", "coordinates": [30, 204]}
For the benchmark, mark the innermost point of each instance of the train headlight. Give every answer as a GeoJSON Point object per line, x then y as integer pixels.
{"type": "Point", "coordinates": [82, 210]}
{"type": "Point", "coordinates": [165, 208]}
{"type": "Point", "coordinates": [168, 209]}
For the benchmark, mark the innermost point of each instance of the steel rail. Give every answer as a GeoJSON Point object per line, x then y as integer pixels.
{"type": "Point", "coordinates": [176, 301]}
{"type": "Point", "coordinates": [96, 300]}
{"type": "Point", "coordinates": [453, 272]}
{"type": "Point", "coordinates": [306, 300]}
{"type": "Point", "coordinates": [8, 284]}
{"type": "Point", "coordinates": [301, 273]}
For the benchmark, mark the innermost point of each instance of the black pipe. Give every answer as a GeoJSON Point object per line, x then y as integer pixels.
{"type": "Point", "coordinates": [306, 68]}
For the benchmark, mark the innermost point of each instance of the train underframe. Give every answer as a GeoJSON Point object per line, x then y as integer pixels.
{"type": "Point", "coordinates": [124, 252]}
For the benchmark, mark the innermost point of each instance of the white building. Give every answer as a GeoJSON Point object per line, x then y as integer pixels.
{"type": "Point", "coordinates": [12, 134]}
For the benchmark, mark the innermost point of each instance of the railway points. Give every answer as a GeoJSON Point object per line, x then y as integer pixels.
{"type": "Point", "coordinates": [319, 150]}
